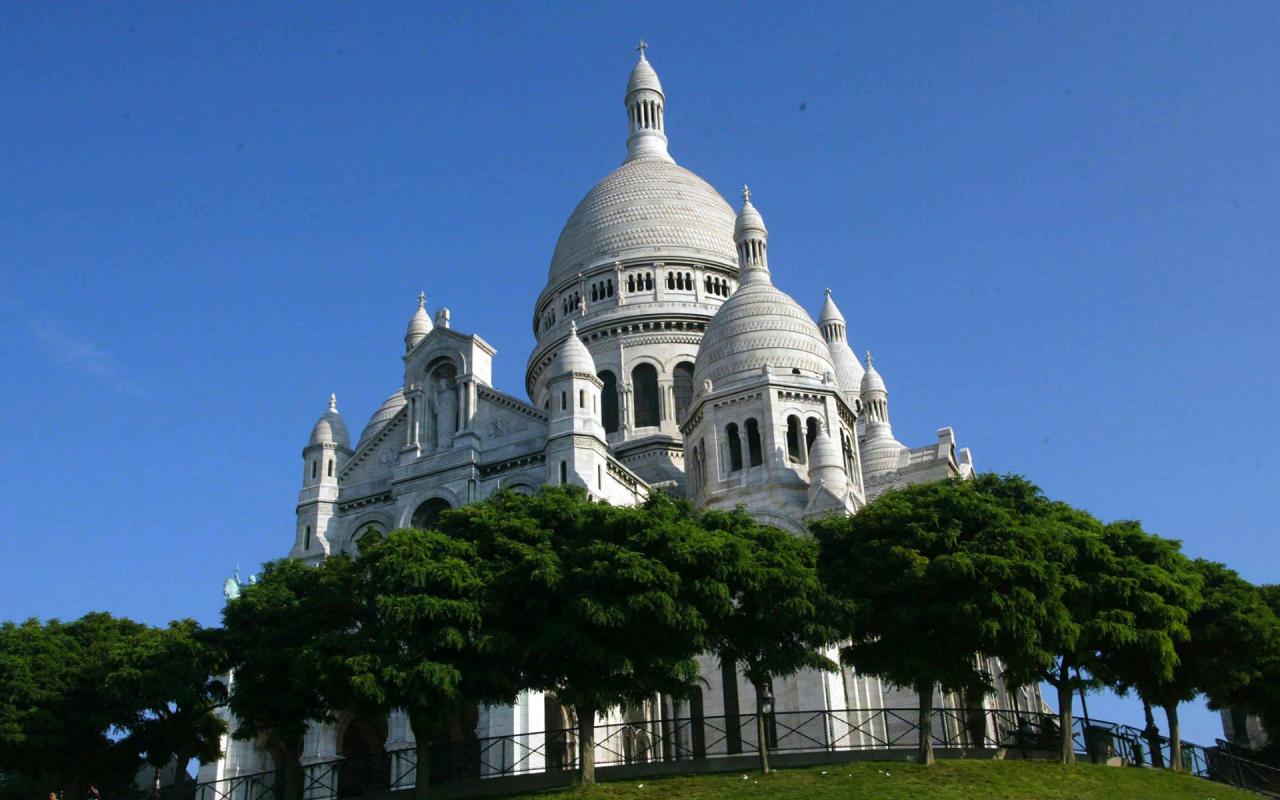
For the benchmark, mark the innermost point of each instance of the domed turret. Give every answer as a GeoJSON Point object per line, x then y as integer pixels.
{"type": "Point", "coordinates": [848, 370]}
{"type": "Point", "coordinates": [647, 136]}
{"type": "Point", "coordinates": [573, 356]}
{"type": "Point", "coordinates": [881, 453]}
{"type": "Point", "coordinates": [759, 326]}
{"type": "Point", "coordinates": [330, 428]}
{"type": "Point", "coordinates": [419, 324]}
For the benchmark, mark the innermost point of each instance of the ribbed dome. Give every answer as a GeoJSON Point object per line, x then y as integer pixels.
{"type": "Point", "coordinates": [419, 324]}
{"type": "Point", "coordinates": [385, 413]}
{"type": "Point", "coordinates": [880, 452]}
{"type": "Point", "coordinates": [871, 380]}
{"type": "Point", "coordinates": [651, 206]}
{"type": "Point", "coordinates": [330, 428]}
{"type": "Point", "coordinates": [643, 77]}
{"type": "Point", "coordinates": [757, 326]}
{"type": "Point", "coordinates": [573, 355]}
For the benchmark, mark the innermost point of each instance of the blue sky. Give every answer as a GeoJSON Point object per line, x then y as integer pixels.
{"type": "Point", "coordinates": [1054, 224]}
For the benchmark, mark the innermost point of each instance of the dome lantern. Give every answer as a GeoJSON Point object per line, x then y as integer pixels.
{"type": "Point", "coordinates": [330, 428]}
{"type": "Point", "coordinates": [646, 127]}
{"type": "Point", "coordinates": [419, 324]}
{"type": "Point", "coordinates": [751, 239]}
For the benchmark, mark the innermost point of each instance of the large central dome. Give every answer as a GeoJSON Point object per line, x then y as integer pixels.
{"type": "Point", "coordinates": [645, 205]}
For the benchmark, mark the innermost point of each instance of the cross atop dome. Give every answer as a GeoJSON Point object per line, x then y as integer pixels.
{"type": "Point", "coordinates": [422, 299]}
{"type": "Point", "coordinates": [640, 48]}
{"type": "Point", "coordinates": [746, 193]}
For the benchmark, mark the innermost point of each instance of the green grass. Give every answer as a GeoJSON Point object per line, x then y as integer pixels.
{"type": "Point", "coordinates": [949, 780]}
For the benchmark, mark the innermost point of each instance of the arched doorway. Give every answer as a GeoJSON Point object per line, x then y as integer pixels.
{"type": "Point", "coordinates": [560, 734]}
{"type": "Point", "coordinates": [426, 514]}
{"type": "Point", "coordinates": [362, 757]}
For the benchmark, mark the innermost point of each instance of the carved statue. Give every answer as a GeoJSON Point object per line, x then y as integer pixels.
{"type": "Point", "coordinates": [446, 413]}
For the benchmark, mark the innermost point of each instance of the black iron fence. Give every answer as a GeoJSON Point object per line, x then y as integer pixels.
{"type": "Point", "coordinates": [656, 742]}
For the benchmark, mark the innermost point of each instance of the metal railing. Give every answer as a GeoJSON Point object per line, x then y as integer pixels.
{"type": "Point", "coordinates": [656, 742]}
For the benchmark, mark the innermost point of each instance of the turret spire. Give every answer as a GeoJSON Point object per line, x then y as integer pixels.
{"type": "Point", "coordinates": [752, 240]}
{"type": "Point", "coordinates": [419, 324]}
{"type": "Point", "coordinates": [646, 131]}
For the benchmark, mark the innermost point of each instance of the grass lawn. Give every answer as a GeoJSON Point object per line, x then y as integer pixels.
{"type": "Point", "coordinates": [949, 780]}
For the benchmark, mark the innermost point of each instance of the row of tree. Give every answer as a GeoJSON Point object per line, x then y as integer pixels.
{"type": "Point", "coordinates": [603, 606]}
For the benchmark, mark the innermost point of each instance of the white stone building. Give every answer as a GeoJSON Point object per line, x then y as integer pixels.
{"type": "Point", "coordinates": [666, 359]}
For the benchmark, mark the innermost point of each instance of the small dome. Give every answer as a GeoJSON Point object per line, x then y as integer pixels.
{"type": "Point", "coordinates": [826, 463]}
{"type": "Point", "coordinates": [643, 77]}
{"type": "Point", "coordinates": [419, 324]}
{"type": "Point", "coordinates": [385, 413]}
{"type": "Point", "coordinates": [830, 312]}
{"type": "Point", "coordinates": [871, 380]}
{"type": "Point", "coordinates": [759, 326]}
{"type": "Point", "coordinates": [573, 356]}
{"type": "Point", "coordinates": [749, 220]}
{"type": "Point", "coordinates": [330, 429]}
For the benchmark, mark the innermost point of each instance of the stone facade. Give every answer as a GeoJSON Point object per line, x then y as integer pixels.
{"type": "Point", "coordinates": [666, 359]}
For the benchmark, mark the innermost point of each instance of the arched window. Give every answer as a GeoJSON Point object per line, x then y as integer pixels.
{"type": "Point", "coordinates": [695, 480]}
{"type": "Point", "coordinates": [306, 544]}
{"type": "Point", "coordinates": [314, 466]}
{"type": "Point", "coordinates": [609, 288]}
{"type": "Point", "coordinates": [735, 446]}
{"type": "Point", "coordinates": [811, 433]}
{"type": "Point", "coordinates": [609, 399]}
{"type": "Point", "coordinates": [793, 438]}
{"type": "Point", "coordinates": [564, 472]}
{"type": "Point", "coordinates": [648, 281]}
{"type": "Point", "coordinates": [671, 280]}
{"type": "Point", "coordinates": [644, 385]}
{"type": "Point", "coordinates": [702, 462]}
{"type": "Point", "coordinates": [631, 283]}
{"type": "Point", "coordinates": [428, 513]}
{"type": "Point", "coordinates": [682, 388]}
{"type": "Point", "coordinates": [582, 398]}
{"type": "Point", "coordinates": [331, 468]}
{"type": "Point", "coordinates": [564, 401]}
{"type": "Point", "coordinates": [755, 454]}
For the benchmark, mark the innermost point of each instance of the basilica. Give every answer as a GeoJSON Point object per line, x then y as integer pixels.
{"type": "Point", "coordinates": [666, 359]}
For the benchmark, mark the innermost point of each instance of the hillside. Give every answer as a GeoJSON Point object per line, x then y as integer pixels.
{"type": "Point", "coordinates": [949, 780]}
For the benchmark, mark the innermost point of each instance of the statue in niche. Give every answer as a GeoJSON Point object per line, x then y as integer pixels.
{"type": "Point", "coordinates": [446, 421]}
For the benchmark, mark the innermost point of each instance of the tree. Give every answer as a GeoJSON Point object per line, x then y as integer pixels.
{"type": "Point", "coordinates": [1152, 591]}
{"type": "Point", "coordinates": [928, 577]}
{"type": "Point", "coordinates": [775, 626]}
{"type": "Point", "coordinates": [287, 639]}
{"type": "Point", "coordinates": [598, 604]}
{"type": "Point", "coordinates": [163, 677]}
{"type": "Point", "coordinates": [422, 644]}
{"type": "Point", "coordinates": [56, 725]}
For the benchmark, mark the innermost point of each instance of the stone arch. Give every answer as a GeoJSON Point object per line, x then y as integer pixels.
{"type": "Point", "coordinates": [362, 744]}
{"type": "Point", "coordinates": [608, 400]}
{"type": "Point", "coordinates": [428, 511]}
{"type": "Point", "coordinates": [646, 403]}
{"type": "Point", "coordinates": [682, 387]}
{"type": "Point", "coordinates": [361, 525]}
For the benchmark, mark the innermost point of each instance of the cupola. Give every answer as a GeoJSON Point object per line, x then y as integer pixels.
{"type": "Point", "coordinates": [419, 324]}
{"type": "Point", "coordinates": [330, 428]}
{"type": "Point", "coordinates": [646, 136]}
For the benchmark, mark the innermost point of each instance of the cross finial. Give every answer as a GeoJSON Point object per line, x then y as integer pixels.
{"type": "Point", "coordinates": [868, 358]}
{"type": "Point", "coordinates": [828, 291]}
{"type": "Point", "coordinates": [422, 299]}
{"type": "Point", "coordinates": [640, 48]}
{"type": "Point", "coordinates": [333, 402]}
{"type": "Point", "coordinates": [746, 193]}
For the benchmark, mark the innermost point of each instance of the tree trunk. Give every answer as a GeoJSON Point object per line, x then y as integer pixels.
{"type": "Point", "coordinates": [421, 767]}
{"type": "Point", "coordinates": [291, 773]}
{"type": "Point", "coordinates": [179, 776]}
{"type": "Point", "coordinates": [924, 753]}
{"type": "Point", "coordinates": [1153, 737]}
{"type": "Point", "coordinates": [1175, 737]}
{"type": "Point", "coordinates": [1066, 753]}
{"type": "Point", "coordinates": [762, 742]}
{"type": "Point", "coordinates": [587, 746]}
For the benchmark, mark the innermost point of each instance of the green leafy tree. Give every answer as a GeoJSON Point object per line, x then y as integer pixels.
{"type": "Point", "coordinates": [776, 625]}
{"type": "Point", "coordinates": [58, 729]}
{"type": "Point", "coordinates": [1153, 590]}
{"type": "Point", "coordinates": [163, 676]}
{"type": "Point", "coordinates": [422, 644]}
{"type": "Point", "coordinates": [287, 640]}
{"type": "Point", "coordinates": [600, 605]}
{"type": "Point", "coordinates": [930, 576]}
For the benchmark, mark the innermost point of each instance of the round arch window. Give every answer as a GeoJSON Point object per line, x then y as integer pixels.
{"type": "Point", "coordinates": [427, 513]}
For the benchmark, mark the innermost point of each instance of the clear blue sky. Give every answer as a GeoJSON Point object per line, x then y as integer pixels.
{"type": "Point", "coordinates": [1057, 226]}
